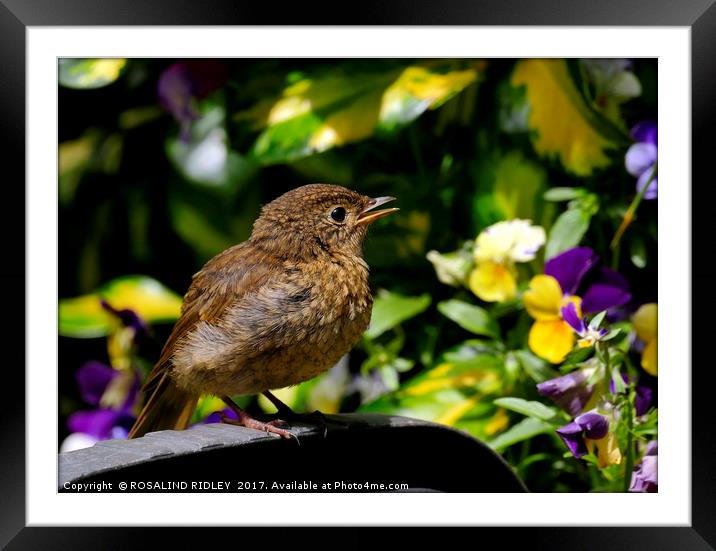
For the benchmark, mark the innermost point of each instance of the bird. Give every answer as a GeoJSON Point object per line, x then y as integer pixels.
{"type": "Point", "coordinates": [273, 311]}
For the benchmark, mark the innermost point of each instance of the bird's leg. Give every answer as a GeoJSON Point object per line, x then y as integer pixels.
{"type": "Point", "coordinates": [316, 418]}
{"type": "Point", "coordinates": [282, 408]}
{"type": "Point", "coordinates": [245, 420]}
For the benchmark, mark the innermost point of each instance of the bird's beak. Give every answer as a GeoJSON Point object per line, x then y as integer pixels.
{"type": "Point", "coordinates": [367, 217]}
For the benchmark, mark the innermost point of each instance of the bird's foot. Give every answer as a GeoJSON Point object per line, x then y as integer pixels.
{"type": "Point", "coordinates": [246, 420]}
{"type": "Point", "coordinates": [315, 418]}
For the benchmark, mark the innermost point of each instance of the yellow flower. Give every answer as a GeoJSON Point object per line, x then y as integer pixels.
{"type": "Point", "coordinates": [559, 119]}
{"type": "Point", "coordinates": [551, 338]}
{"type": "Point", "coordinates": [493, 282]}
{"type": "Point", "coordinates": [509, 241]}
{"type": "Point", "coordinates": [497, 249]}
{"type": "Point", "coordinates": [646, 326]}
{"type": "Point", "coordinates": [608, 452]}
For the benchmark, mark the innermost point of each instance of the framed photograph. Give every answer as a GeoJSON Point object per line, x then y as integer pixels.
{"type": "Point", "coordinates": [207, 189]}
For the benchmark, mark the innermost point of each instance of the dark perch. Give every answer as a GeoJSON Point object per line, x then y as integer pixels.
{"type": "Point", "coordinates": [362, 448]}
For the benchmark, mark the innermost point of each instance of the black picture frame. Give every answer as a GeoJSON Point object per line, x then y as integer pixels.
{"type": "Point", "coordinates": [17, 15]}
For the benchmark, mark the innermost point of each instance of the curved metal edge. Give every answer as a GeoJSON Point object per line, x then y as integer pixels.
{"type": "Point", "coordinates": [111, 455]}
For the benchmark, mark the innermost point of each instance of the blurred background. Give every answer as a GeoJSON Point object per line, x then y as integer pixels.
{"type": "Point", "coordinates": [164, 163]}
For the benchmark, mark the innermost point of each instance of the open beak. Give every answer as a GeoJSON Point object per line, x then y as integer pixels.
{"type": "Point", "coordinates": [368, 215]}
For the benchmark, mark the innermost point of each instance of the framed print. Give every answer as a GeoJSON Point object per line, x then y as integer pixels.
{"type": "Point", "coordinates": [507, 373]}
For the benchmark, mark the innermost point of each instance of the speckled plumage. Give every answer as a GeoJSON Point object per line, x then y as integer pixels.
{"type": "Point", "coordinates": [274, 311]}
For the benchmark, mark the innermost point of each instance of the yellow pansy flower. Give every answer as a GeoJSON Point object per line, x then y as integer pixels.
{"type": "Point", "coordinates": [562, 284]}
{"type": "Point", "coordinates": [497, 249]}
{"type": "Point", "coordinates": [645, 325]}
{"type": "Point", "coordinates": [551, 338]}
{"type": "Point", "coordinates": [607, 450]}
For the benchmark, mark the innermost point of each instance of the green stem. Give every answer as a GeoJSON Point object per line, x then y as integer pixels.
{"type": "Point", "coordinates": [604, 349]}
{"type": "Point", "coordinates": [631, 211]}
{"type": "Point", "coordinates": [615, 257]}
{"type": "Point", "coordinates": [630, 440]}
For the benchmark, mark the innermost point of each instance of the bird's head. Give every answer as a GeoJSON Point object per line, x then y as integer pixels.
{"type": "Point", "coordinates": [319, 218]}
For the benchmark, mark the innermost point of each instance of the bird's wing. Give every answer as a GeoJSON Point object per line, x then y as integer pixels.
{"type": "Point", "coordinates": [222, 281]}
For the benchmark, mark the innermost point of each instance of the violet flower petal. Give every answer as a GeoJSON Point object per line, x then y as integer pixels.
{"type": "Point", "coordinates": [645, 475]}
{"type": "Point", "coordinates": [652, 191]}
{"type": "Point", "coordinates": [570, 392]}
{"type": "Point", "coordinates": [175, 91]}
{"type": "Point", "coordinates": [569, 314]}
{"type": "Point", "coordinates": [646, 131]}
{"type": "Point", "coordinates": [128, 318]}
{"type": "Point", "coordinates": [640, 157]}
{"type": "Point", "coordinates": [97, 423]}
{"type": "Point", "coordinates": [595, 426]}
{"type": "Point", "coordinates": [608, 290]}
{"type": "Point", "coordinates": [185, 80]}
{"type": "Point", "coordinates": [215, 417]}
{"type": "Point", "coordinates": [570, 267]}
{"type": "Point", "coordinates": [571, 435]}
{"type": "Point", "coordinates": [92, 379]}
{"type": "Point", "coordinates": [642, 400]}
{"type": "Point", "coordinates": [652, 448]}
{"type": "Point", "coordinates": [118, 433]}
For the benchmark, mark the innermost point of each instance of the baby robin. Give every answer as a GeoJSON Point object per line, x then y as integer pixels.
{"type": "Point", "coordinates": [270, 312]}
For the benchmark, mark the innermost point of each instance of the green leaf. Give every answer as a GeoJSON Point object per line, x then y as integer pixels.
{"type": "Point", "coordinates": [529, 408]}
{"type": "Point", "coordinates": [619, 385]}
{"type": "Point", "coordinates": [89, 73]}
{"type": "Point", "coordinates": [567, 232]}
{"type": "Point", "coordinates": [538, 369]}
{"type": "Point", "coordinates": [315, 113]}
{"type": "Point", "coordinates": [597, 320]}
{"type": "Point", "coordinates": [524, 430]}
{"type": "Point", "coordinates": [192, 225]}
{"type": "Point", "coordinates": [559, 194]}
{"type": "Point", "coordinates": [576, 357]}
{"type": "Point", "coordinates": [389, 377]}
{"type": "Point", "coordinates": [470, 317]}
{"type": "Point", "coordinates": [452, 393]}
{"type": "Point", "coordinates": [391, 309]}
{"type": "Point", "coordinates": [84, 316]}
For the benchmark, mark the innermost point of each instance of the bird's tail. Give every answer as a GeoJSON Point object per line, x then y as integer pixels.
{"type": "Point", "coordinates": [167, 406]}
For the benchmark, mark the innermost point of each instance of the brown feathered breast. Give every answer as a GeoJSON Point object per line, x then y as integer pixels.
{"type": "Point", "coordinates": [253, 321]}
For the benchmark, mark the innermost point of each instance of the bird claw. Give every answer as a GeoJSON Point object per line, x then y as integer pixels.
{"type": "Point", "coordinates": [269, 427]}
{"type": "Point", "coordinates": [315, 418]}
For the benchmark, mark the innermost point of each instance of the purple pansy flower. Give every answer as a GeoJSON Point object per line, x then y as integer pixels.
{"type": "Point", "coordinates": [129, 318]}
{"type": "Point", "coordinates": [93, 379]}
{"type": "Point", "coordinates": [644, 478]}
{"type": "Point", "coordinates": [183, 82]}
{"type": "Point", "coordinates": [571, 392]}
{"type": "Point", "coordinates": [642, 400]}
{"type": "Point", "coordinates": [641, 157]}
{"type": "Point", "coordinates": [590, 425]}
{"type": "Point", "coordinates": [588, 335]}
{"type": "Point", "coordinates": [101, 424]}
{"type": "Point", "coordinates": [216, 416]}
{"type": "Point", "coordinates": [579, 272]}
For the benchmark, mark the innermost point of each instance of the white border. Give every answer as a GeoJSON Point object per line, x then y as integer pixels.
{"type": "Point", "coordinates": [671, 506]}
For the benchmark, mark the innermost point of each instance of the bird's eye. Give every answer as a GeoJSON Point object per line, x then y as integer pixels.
{"type": "Point", "coordinates": [338, 214]}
